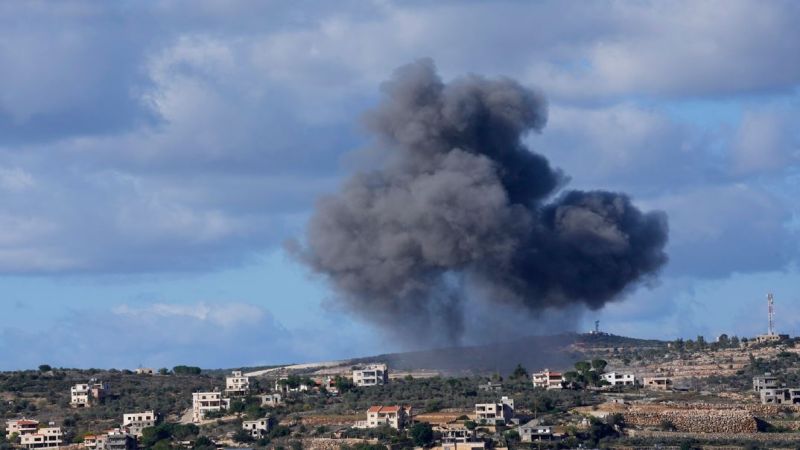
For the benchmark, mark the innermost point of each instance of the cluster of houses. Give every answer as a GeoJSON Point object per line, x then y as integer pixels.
{"type": "Point", "coordinates": [770, 393]}
{"type": "Point", "coordinates": [548, 379]}
{"type": "Point", "coordinates": [238, 385]}
{"type": "Point", "coordinates": [458, 435]}
{"type": "Point", "coordinates": [30, 435]}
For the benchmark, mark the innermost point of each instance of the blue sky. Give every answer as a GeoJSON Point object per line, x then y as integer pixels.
{"type": "Point", "coordinates": [155, 156]}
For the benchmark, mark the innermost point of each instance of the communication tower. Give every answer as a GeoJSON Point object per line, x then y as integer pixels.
{"type": "Point", "coordinates": [771, 314]}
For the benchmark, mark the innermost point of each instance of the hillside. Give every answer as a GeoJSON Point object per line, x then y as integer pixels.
{"type": "Point", "coordinates": [534, 352]}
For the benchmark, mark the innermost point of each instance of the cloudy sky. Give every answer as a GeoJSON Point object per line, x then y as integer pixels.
{"type": "Point", "coordinates": [155, 156]}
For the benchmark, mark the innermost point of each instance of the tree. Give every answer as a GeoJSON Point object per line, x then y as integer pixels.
{"type": "Point", "coordinates": [519, 373]}
{"type": "Point", "coordinates": [45, 368]}
{"type": "Point", "coordinates": [242, 436]}
{"type": "Point", "coordinates": [343, 384]}
{"type": "Point", "coordinates": [204, 443]}
{"type": "Point", "coordinates": [599, 365]}
{"type": "Point", "coordinates": [163, 371]}
{"type": "Point", "coordinates": [422, 434]}
{"type": "Point", "coordinates": [186, 370]}
{"type": "Point", "coordinates": [582, 366]}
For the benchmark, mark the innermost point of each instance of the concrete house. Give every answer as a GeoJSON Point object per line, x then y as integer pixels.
{"type": "Point", "coordinates": [206, 402]}
{"type": "Point", "coordinates": [548, 380]}
{"type": "Point", "coordinates": [491, 386]}
{"type": "Point", "coordinates": [619, 379]}
{"type": "Point", "coordinates": [237, 385]}
{"type": "Point", "coordinates": [455, 432]}
{"type": "Point", "coordinates": [766, 381]}
{"type": "Point", "coordinates": [469, 445]}
{"type": "Point", "coordinates": [271, 400]}
{"type": "Point", "coordinates": [22, 426]}
{"type": "Point", "coordinates": [396, 417]}
{"type": "Point", "coordinates": [44, 438]}
{"type": "Point", "coordinates": [134, 423]}
{"type": "Point", "coordinates": [658, 383]}
{"type": "Point", "coordinates": [372, 375]}
{"type": "Point", "coordinates": [532, 432]}
{"type": "Point", "coordinates": [118, 439]}
{"type": "Point", "coordinates": [495, 413]}
{"type": "Point", "coordinates": [780, 396]}
{"type": "Point", "coordinates": [257, 428]}
{"type": "Point", "coordinates": [86, 394]}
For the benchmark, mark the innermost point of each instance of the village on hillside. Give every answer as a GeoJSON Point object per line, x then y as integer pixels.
{"type": "Point", "coordinates": [686, 394]}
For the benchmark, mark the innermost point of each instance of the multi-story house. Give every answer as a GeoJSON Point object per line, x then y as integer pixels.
{"type": "Point", "coordinates": [117, 439]}
{"type": "Point", "coordinates": [766, 381]}
{"type": "Point", "coordinates": [237, 385]}
{"type": "Point", "coordinates": [619, 379]}
{"type": "Point", "coordinates": [22, 426]}
{"type": "Point", "coordinates": [452, 433]}
{"type": "Point", "coordinates": [257, 428]}
{"type": "Point", "coordinates": [495, 413]}
{"type": "Point", "coordinates": [548, 380]}
{"type": "Point", "coordinates": [85, 394]}
{"type": "Point", "coordinates": [533, 431]}
{"type": "Point", "coordinates": [134, 423]}
{"type": "Point", "coordinates": [51, 437]}
{"type": "Point", "coordinates": [206, 402]}
{"type": "Point", "coordinates": [372, 375]}
{"type": "Point", "coordinates": [394, 416]}
{"type": "Point", "coordinates": [780, 396]}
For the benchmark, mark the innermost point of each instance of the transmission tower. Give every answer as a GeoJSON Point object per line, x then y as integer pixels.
{"type": "Point", "coordinates": [771, 314]}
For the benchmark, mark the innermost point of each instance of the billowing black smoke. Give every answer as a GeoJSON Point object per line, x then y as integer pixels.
{"type": "Point", "coordinates": [462, 201]}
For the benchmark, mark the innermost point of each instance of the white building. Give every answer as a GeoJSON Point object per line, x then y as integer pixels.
{"type": "Point", "coordinates": [372, 375]}
{"type": "Point", "coordinates": [766, 381]}
{"type": "Point", "coordinates": [282, 386]}
{"type": "Point", "coordinates": [206, 402]}
{"type": "Point", "coordinates": [619, 379]}
{"type": "Point", "coordinates": [271, 400]}
{"type": "Point", "coordinates": [86, 394]}
{"type": "Point", "coordinates": [145, 371]}
{"type": "Point", "coordinates": [394, 416]}
{"type": "Point", "coordinates": [237, 384]}
{"type": "Point", "coordinates": [134, 423]}
{"type": "Point", "coordinates": [548, 380]}
{"type": "Point", "coordinates": [45, 438]}
{"type": "Point", "coordinates": [495, 413]}
{"type": "Point", "coordinates": [22, 426]}
{"type": "Point", "coordinates": [257, 428]}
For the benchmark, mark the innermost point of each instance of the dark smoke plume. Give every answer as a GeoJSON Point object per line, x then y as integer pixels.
{"type": "Point", "coordinates": [463, 201]}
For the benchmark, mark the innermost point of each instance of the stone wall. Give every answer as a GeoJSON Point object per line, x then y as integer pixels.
{"type": "Point", "coordinates": [332, 444]}
{"type": "Point", "coordinates": [697, 421]}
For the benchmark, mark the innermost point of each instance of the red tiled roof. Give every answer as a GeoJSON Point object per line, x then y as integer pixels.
{"type": "Point", "coordinates": [379, 409]}
{"type": "Point", "coordinates": [27, 422]}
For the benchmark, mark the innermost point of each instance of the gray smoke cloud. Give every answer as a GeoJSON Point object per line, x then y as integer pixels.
{"type": "Point", "coordinates": [461, 203]}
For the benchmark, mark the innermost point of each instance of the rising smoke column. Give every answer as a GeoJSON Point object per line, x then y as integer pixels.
{"type": "Point", "coordinates": [461, 201]}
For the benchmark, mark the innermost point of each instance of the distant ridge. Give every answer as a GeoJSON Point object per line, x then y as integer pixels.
{"type": "Point", "coordinates": [533, 352]}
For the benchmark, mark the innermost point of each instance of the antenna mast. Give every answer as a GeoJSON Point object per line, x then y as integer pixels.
{"type": "Point", "coordinates": [771, 313]}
